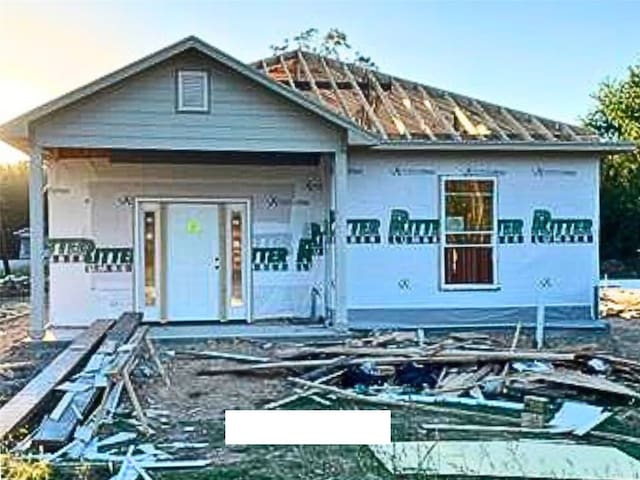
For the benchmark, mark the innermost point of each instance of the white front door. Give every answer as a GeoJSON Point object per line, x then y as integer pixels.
{"type": "Point", "coordinates": [192, 261]}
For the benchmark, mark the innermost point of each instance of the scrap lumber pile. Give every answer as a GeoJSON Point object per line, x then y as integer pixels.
{"type": "Point", "coordinates": [472, 377]}
{"type": "Point", "coordinates": [75, 401]}
{"type": "Point", "coordinates": [620, 302]}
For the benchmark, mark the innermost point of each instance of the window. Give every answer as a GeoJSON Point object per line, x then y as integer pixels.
{"type": "Point", "coordinates": [469, 232]}
{"type": "Point", "coordinates": [150, 288]}
{"type": "Point", "coordinates": [193, 91]}
{"type": "Point", "coordinates": [236, 259]}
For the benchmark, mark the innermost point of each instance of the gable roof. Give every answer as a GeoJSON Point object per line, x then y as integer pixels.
{"type": "Point", "coordinates": [376, 109]}
{"type": "Point", "coordinates": [410, 114]}
{"type": "Point", "coordinates": [16, 131]}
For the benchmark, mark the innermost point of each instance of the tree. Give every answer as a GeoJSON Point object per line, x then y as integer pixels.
{"type": "Point", "coordinates": [333, 44]}
{"type": "Point", "coordinates": [617, 117]}
{"type": "Point", "coordinates": [14, 207]}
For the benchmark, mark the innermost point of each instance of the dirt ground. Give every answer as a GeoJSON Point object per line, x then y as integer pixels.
{"type": "Point", "coordinates": [16, 348]}
{"type": "Point", "coordinates": [12, 332]}
{"type": "Point", "coordinates": [192, 408]}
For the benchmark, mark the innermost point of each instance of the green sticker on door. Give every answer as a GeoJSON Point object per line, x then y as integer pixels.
{"type": "Point", "coordinates": [193, 226]}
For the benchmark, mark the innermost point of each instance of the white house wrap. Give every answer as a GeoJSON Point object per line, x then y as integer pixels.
{"type": "Point", "coordinates": [192, 187]}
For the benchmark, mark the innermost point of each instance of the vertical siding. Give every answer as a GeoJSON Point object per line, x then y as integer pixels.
{"type": "Point", "coordinates": [140, 112]}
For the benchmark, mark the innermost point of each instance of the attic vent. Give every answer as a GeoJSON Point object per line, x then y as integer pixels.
{"type": "Point", "coordinates": [193, 91]}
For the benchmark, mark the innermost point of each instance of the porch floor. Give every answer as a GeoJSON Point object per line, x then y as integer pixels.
{"type": "Point", "coordinates": [220, 330]}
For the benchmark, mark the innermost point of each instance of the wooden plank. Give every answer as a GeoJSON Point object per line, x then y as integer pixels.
{"type": "Point", "coordinates": [569, 131]}
{"type": "Point", "coordinates": [462, 117]}
{"type": "Point", "coordinates": [492, 124]}
{"type": "Point", "coordinates": [210, 354]}
{"type": "Point", "coordinates": [26, 401]}
{"type": "Point", "coordinates": [307, 73]}
{"type": "Point", "coordinates": [55, 431]}
{"type": "Point", "coordinates": [408, 105]}
{"type": "Point", "coordinates": [440, 118]}
{"type": "Point", "coordinates": [541, 128]}
{"type": "Point", "coordinates": [463, 382]}
{"type": "Point", "coordinates": [388, 107]}
{"type": "Point", "coordinates": [516, 124]}
{"type": "Point", "coordinates": [287, 72]}
{"type": "Point", "coordinates": [302, 393]}
{"type": "Point", "coordinates": [365, 103]}
{"type": "Point", "coordinates": [336, 90]}
{"type": "Point", "coordinates": [400, 403]}
{"type": "Point", "coordinates": [579, 380]}
{"type": "Point", "coordinates": [447, 357]}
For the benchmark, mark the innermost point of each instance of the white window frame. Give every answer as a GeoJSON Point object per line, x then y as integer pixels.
{"type": "Point", "coordinates": [151, 312]}
{"type": "Point", "coordinates": [237, 312]}
{"type": "Point", "coordinates": [494, 235]}
{"type": "Point", "coordinates": [180, 106]}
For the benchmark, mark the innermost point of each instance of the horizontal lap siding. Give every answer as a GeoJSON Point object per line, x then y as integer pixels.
{"type": "Point", "coordinates": [140, 113]}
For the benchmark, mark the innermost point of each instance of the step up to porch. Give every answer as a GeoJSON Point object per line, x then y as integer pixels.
{"type": "Point", "coordinates": [265, 332]}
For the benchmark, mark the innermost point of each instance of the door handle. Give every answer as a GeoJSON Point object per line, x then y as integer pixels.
{"type": "Point", "coordinates": [216, 263]}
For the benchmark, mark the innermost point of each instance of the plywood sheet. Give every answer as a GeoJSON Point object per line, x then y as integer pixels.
{"type": "Point", "coordinates": [512, 459]}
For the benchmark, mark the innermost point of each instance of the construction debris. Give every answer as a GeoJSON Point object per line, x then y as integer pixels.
{"type": "Point", "coordinates": [620, 302]}
{"type": "Point", "coordinates": [552, 392]}
{"type": "Point", "coordinates": [578, 417]}
{"type": "Point", "coordinates": [100, 411]}
{"type": "Point", "coordinates": [81, 391]}
{"type": "Point", "coordinates": [22, 405]}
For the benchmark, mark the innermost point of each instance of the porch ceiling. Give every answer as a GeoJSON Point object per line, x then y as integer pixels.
{"type": "Point", "coordinates": [234, 157]}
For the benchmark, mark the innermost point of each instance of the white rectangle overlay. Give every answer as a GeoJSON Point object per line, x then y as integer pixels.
{"type": "Point", "coordinates": [307, 427]}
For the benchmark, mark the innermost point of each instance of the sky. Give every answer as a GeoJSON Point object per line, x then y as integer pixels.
{"type": "Point", "coordinates": [540, 56]}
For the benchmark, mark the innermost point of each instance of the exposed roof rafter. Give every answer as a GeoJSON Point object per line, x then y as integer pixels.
{"type": "Point", "coordinates": [490, 121]}
{"type": "Point", "coordinates": [283, 64]}
{"type": "Point", "coordinates": [365, 103]}
{"type": "Point", "coordinates": [517, 125]}
{"type": "Point", "coordinates": [541, 128]}
{"type": "Point", "coordinates": [439, 117]}
{"type": "Point", "coordinates": [307, 72]}
{"type": "Point", "coordinates": [336, 90]}
{"type": "Point", "coordinates": [387, 105]}
{"type": "Point", "coordinates": [408, 104]}
{"type": "Point", "coordinates": [396, 109]}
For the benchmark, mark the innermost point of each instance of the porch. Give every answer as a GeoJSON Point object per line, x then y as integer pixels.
{"type": "Point", "coordinates": [188, 237]}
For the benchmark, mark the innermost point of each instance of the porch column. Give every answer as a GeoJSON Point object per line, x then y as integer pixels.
{"type": "Point", "coordinates": [340, 172]}
{"type": "Point", "coordinates": [36, 239]}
